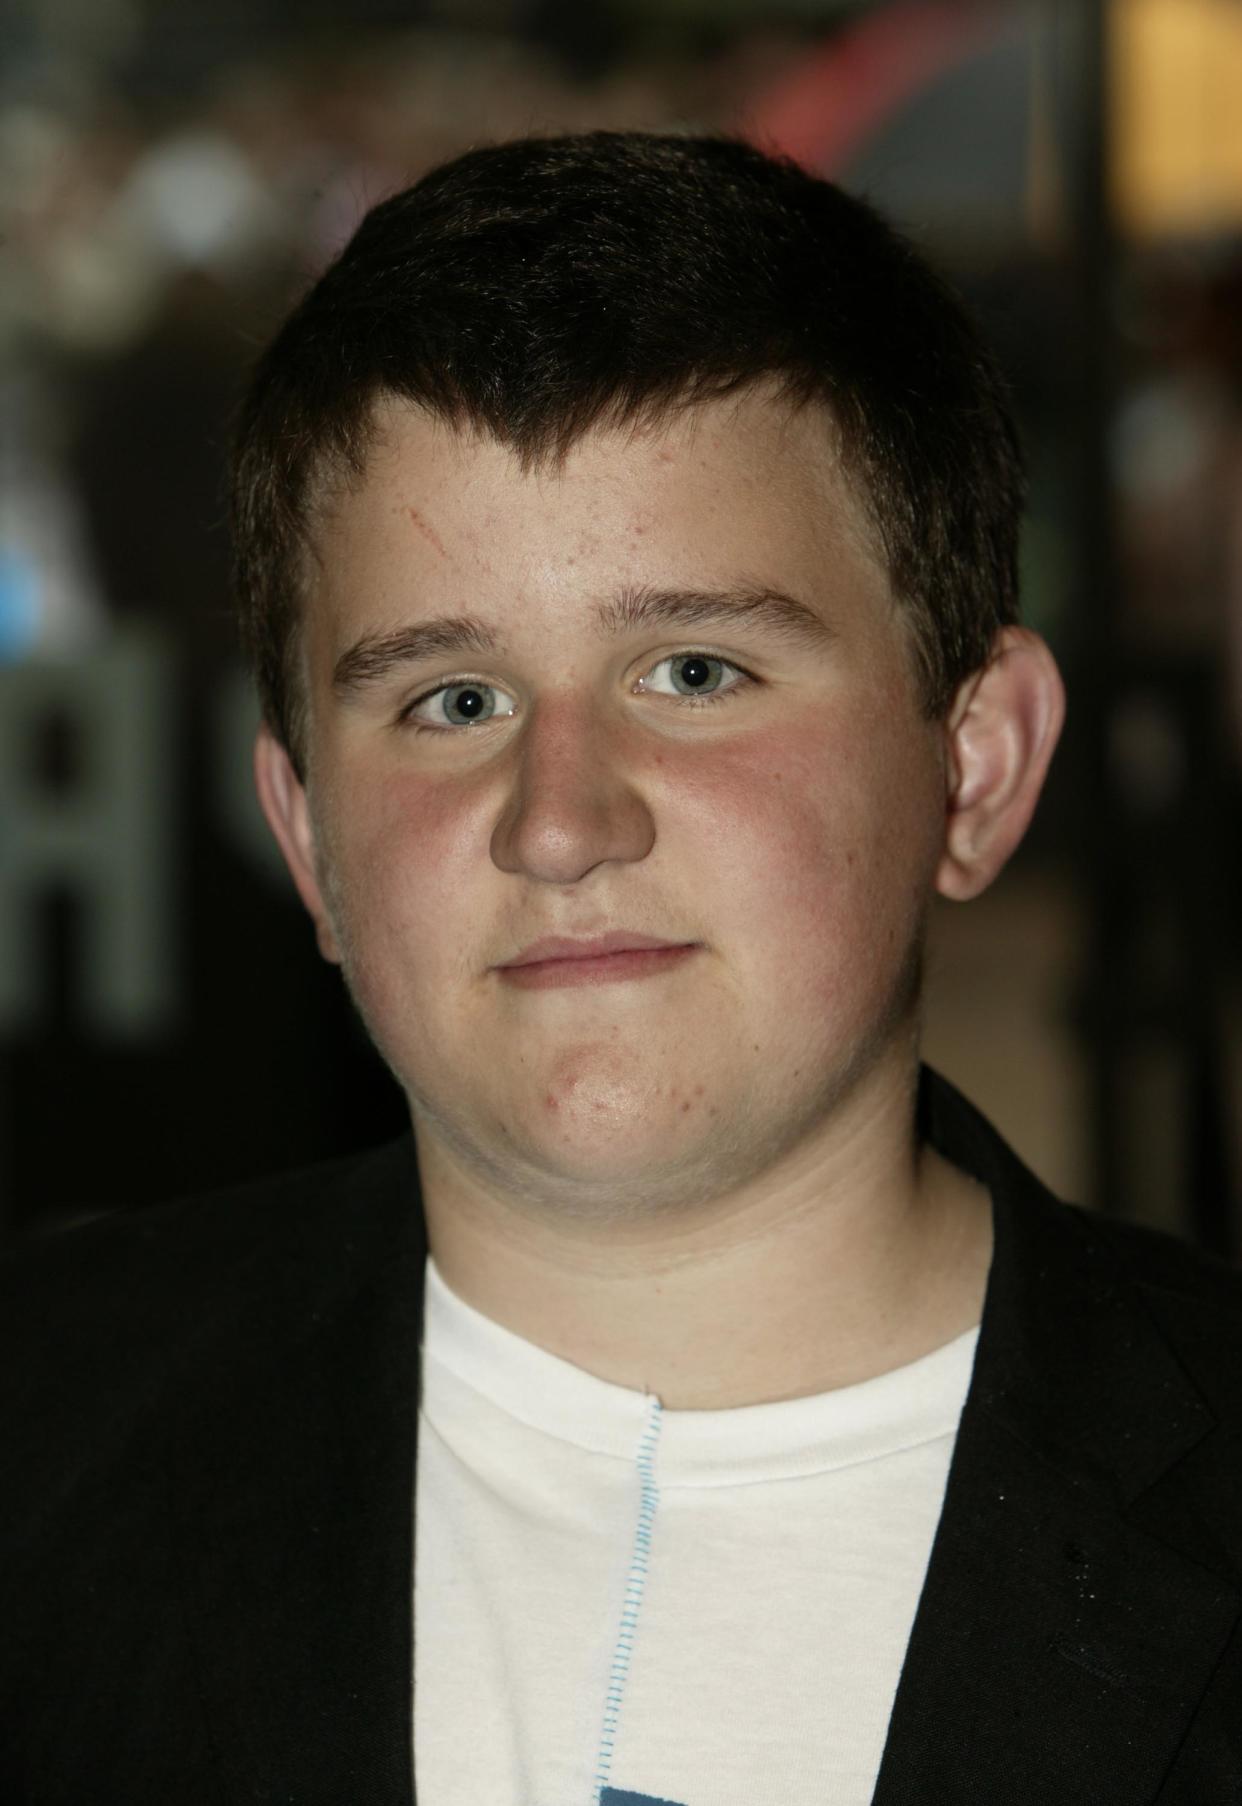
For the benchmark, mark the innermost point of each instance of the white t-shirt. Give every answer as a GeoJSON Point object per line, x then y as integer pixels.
{"type": "Point", "coordinates": [620, 1604]}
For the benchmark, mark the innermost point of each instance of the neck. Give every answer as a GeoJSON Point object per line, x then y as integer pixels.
{"type": "Point", "coordinates": [854, 1256]}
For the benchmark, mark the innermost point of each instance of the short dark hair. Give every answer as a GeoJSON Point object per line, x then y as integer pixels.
{"type": "Point", "coordinates": [536, 289]}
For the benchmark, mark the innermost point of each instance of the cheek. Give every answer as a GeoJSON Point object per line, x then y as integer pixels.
{"type": "Point", "coordinates": [411, 857]}
{"type": "Point", "coordinates": [822, 848]}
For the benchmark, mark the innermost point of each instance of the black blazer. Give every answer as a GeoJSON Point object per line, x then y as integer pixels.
{"type": "Point", "coordinates": [208, 1420]}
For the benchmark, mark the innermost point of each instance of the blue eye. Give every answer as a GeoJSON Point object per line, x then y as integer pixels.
{"type": "Point", "coordinates": [700, 676]}
{"type": "Point", "coordinates": [466, 704]}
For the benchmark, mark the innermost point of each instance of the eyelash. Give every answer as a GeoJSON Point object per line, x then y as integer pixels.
{"type": "Point", "coordinates": [406, 718]}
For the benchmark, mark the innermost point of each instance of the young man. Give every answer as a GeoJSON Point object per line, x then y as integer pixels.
{"type": "Point", "coordinates": [703, 1405]}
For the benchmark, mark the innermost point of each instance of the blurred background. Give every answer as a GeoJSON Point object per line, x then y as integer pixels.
{"type": "Point", "coordinates": [173, 173]}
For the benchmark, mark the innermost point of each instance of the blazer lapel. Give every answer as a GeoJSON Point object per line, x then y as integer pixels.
{"type": "Point", "coordinates": [1060, 1648]}
{"type": "Point", "coordinates": [292, 1490]}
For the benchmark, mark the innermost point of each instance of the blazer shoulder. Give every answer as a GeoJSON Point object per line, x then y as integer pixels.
{"type": "Point", "coordinates": [1193, 1297]}
{"type": "Point", "coordinates": [1163, 1264]}
{"type": "Point", "coordinates": [107, 1329]}
{"type": "Point", "coordinates": [1165, 1268]}
{"type": "Point", "coordinates": [245, 1206]}
{"type": "Point", "coordinates": [144, 1273]}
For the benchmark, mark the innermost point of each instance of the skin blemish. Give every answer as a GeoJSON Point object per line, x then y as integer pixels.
{"type": "Point", "coordinates": [427, 530]}
{"type": "Point", "coordinates": [685, 1106]}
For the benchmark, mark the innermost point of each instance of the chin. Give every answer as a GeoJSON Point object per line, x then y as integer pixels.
{"type": "Point", "coordinates": [576, 1170]}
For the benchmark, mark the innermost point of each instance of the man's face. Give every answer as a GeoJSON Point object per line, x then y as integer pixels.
{"type": "Point", "coordinates": [627, 755]}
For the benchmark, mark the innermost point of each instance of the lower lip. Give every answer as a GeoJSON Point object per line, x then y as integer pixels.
{"type": "Point", "coordinates": [605, 969]}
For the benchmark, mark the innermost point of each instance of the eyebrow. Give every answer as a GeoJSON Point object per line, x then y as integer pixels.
{"type": "Point", "coordinates": [376, 656]}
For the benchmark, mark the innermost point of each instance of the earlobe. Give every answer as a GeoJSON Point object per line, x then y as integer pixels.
{"type": "Point", "coordinates": [1002, 732]}
{"type": "Point", "coordinates": [282, 798]}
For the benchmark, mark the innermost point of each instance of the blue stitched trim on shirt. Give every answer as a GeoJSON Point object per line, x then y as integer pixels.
{"type": "Point", "coordinates": [649, 1498]}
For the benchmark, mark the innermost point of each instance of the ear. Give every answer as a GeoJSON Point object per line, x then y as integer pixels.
{"type": "Point", "coordinates": [1002, 731]}
{"type": "Point", "coordinates": [282, 798]}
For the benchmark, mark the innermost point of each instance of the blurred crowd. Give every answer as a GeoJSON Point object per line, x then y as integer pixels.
{"type": "Point", "coordinates": [145, 252]}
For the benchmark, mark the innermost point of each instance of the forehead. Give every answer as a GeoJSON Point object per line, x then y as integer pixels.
{"type": "Point", "coordinates": [746, 491]}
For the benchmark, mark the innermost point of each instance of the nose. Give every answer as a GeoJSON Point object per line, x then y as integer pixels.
{"type": "Point", "coordinates": [571, 803]}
